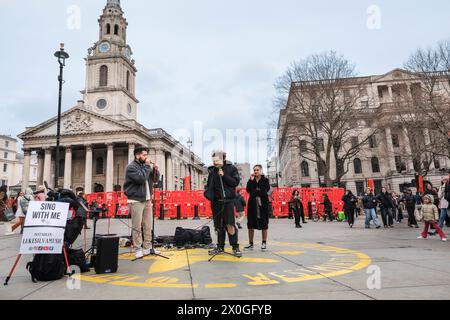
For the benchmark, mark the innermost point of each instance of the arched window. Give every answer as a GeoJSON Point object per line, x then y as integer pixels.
{"type": "Point", "coordinates": [99, 166]}
{"type": "Point", "coordinates": [108, 28]}
{"type": "Point", "coordinates": [375, 165]}
{"type": "Point", "coordinates": [116, 30]}
{"type": "Point", "coordinates": [305, 169]}
{"type": "Point", "coordinates": [128, 80]}
{"type": "Point", "coordinates": [103, 76]}
{"type": "Point", "coordinates": [357, 166]}
{"type": "Point", "coordinates": [62, 164]}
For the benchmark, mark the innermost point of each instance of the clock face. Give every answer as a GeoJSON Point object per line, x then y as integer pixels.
{"type": "Point", "coordinates": [104, 47]}
{"type": "Point", "coordinates": [101, 104]}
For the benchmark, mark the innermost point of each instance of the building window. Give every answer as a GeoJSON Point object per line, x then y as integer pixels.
{"type": "Point", "coordinates": [6, 155]}
{"type": "Point", "coordinates": [378, 184]}
{"type": "Point", "coordinates": [395, 141]}
{"type": "Point", "coordinates": [99, 166]}
{"type": "Point", "coordinates": [3, 183]}
{"type": "Point", "coordinates": [108, 29]}
{"type": "Point", "coordinates": [103, 76]}
{"type": "Point", "coordinates": [320, 144]}
{"type": "Point", "coordinates": [399, 165]}
{"type": "Point", "coordinates": [7, 144]}
{"type": "Point", "coordinates": [375, 165]}
{"type": "Point", "coordinates": [5, 167]}
{"type": "Point", "coordinates": [358, 166]}
{"type": "Point", "coordinates": [322, 166]}
{"type": "Point", "coordinates": [355, 142]}
{"type": "Point", "coordinates": [437, 164]}
{"type": "Point", "coordinates": [128, 80]}
{"type": "Point", "coordinates": [359, 187]}
{"type": "Point", "coordinates": [303, 146]}
{"type": "Point", "coordinates": [116, 30]}
{"type": "Point", "coordinates": [373, 142]}
{"type": "Point", "coordinates": [62, 164]}
{"type": "Point", "coordinates": [305, 169]}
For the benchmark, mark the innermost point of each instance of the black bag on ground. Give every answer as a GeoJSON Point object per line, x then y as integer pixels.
{"type": "Point", "coordinates": [73, 230]}
{"type": "Point", "coordinates": [185, 236]}
{"type": "Point", "coordinates": [77, 258]}
{"type": "Point", "coordinates": [47, 267]}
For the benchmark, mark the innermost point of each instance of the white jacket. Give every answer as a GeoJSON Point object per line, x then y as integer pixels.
{"type": "Point", "coordinates": [444, 203]}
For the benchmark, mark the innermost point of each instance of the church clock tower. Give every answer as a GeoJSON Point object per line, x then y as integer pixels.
{"type": "Point", "coordinates": [110, 71]}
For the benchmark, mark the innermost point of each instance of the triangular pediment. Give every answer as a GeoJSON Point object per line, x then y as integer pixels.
{"type": "Point", "coordinates": [77, 121]}
{"type": "Point", "coordinates": [395, 75]}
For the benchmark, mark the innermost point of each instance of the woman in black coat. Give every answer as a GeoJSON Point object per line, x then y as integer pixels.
{"type": "Point", "coordinates": [349, 207]}
{"type": "Point", "coordinates": [258, 206]}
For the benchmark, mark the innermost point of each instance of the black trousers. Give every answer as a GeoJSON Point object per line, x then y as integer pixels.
{"type": "Point", "coordinates": [328, 214]}
{"type": "Point", "coordinates": [297, 216]}
{"type": "Point", "coordinates": [350, 215]}
{"type": "Point", "coordinates": [386, 215]}
{"type": "Point", "coordinates": [411, 217]}
{"type": "Point", "coordinates": [223, 215]}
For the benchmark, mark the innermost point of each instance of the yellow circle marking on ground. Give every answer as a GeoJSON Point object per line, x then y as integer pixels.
{"type": "Point", "coordinates": [341, 261]}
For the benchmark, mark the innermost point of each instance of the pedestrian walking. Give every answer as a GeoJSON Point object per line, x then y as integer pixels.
{"type": "Point", "coordinates": [386, 207]}
{"type": "Point", "coordinates": [370, 207]}
{"type": "Point", "coordinates": [409, 201]}
{"type": "Point", "coordinates": [240, 204]}
{"type": "Point", "coordinates": [328, 208]}
{"type": "Point", "coordinates": [296, 206]}
{"type": "Point", "coordinates": [350, 201]}
{"type": "Point", "coordinates": [430, 215]}
{"type": "Point", "coordinates": [23, 201]}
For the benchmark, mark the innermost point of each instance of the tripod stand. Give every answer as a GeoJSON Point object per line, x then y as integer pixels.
{"type": "Point", "coordinates": [152, 250]}
{"type": "Point", "coordinates": [221, 221]}
{"type": "Point", "coordinates": [90, 253]}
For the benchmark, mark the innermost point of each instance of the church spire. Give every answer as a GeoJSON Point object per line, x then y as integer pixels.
{"type": "Point", "coordinates": [113, 3]}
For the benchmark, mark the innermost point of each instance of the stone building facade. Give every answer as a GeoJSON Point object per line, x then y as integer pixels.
{"type": "Point", "coordinates": [386, 158]}
{"type": "Point", "coordinates": [100, 133]}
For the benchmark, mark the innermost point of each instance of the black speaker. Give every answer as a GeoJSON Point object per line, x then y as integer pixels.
{"type": "Point", "coordinates": [106, 260]}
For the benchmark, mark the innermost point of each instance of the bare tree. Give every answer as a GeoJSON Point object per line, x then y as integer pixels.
{"type": "Point", "coordinates": [324, 101]}
{"type": "Point", "coordinates": [427, 107]}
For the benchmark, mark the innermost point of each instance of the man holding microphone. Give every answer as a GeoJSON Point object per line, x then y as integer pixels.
{"type": "Point", "coordinates": [139, 178]}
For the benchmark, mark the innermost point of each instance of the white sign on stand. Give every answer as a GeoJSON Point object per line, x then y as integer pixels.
{"type": "Point", "coordinates": [44, 228]}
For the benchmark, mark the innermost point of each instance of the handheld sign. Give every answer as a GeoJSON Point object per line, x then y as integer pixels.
{"type": "Point", "coordinates": [44, 228]}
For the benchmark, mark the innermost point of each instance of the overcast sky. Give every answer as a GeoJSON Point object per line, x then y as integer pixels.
{"type": "Point", "coordinates": [207, 60]}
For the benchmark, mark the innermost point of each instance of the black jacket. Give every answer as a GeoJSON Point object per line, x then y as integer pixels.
{"type": "Point", "coordinates": [258, 189]}
{"type": "Point", "coordinates": [135, 177]}
{"type": "Point", "coordinates": [230, 181]}
{"type": "Point", "coordinates": [409, 200]}
{"type": "Point", "coordinates": [369, 201]}
{"type": "Point", "coordinates": [385, 200]}
{"type": "Point", "coordinates": [240, 203]}
{"type": "Point", "coordinates": [328, 206]}
{"type": "Point", "coordinates": [349, 201]}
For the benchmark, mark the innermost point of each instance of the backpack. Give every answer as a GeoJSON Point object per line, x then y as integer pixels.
{"type": "Point", "coordinates": [46, 267]}
{"type": "Point", "coordinates": [24, 202]}
{"type": "Point", "coordinates": [77, 258]}
{"type": "Point", "coordinates": [190, 236]}
{"type": "Point", "coordinates": [73, 230]}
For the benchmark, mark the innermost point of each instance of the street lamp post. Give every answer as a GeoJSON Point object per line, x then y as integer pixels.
{"type": "Point", "coordinates": [189, 143]}
{"type": "Point", "coordinates": [62, 56]}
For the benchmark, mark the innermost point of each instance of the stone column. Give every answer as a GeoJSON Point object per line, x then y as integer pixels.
{"type": "Point", "coordinates": [48, 166]}
{"type": "Point", "coordinates": [410, 162]}
{"type": "Point", "coordinates": [26, 169]}
{"type": "Point", "coordinates": [88, 170]}
{"type": "Point", "coordinates": [161, 163]}
{"type": "Point", "coordinates": [131, 147]}
{"type": "Point", "coordinates": [391, 94]}
{"type": "Point", "coordinates": [40, 175]}
{"type": "Point", "coordinates": [109, 168]}
{"type": "Point", "coordinates": [390, 149]}
{"type": "Point", "coordinates": [426, 134]}
{"type": "Point", "coordinates": [68, 169]}
{"type": "Point", "coordinates": [169, 171]}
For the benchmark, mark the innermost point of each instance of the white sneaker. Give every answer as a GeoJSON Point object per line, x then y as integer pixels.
{"type": "Point", "coordinates": [139, 254]}
{"type": "Point", "coordinates": [444, 239]}
{"type": "Point", "coordinates": [420, 237]}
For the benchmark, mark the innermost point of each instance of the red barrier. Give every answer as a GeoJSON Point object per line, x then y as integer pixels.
{"type": "Point", "coordinates": [116, 202]}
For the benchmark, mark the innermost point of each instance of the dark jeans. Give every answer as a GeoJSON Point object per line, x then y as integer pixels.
{"type": "Point", "coordinates": [350, 214]}
{"type": "Point", "coordinates": [386, 215]}
{"type": "Point", "coordinates": [411, 217]}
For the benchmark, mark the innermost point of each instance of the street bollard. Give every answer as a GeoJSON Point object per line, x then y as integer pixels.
{"type": "Point", "coordinates": [161, 211]}
{"type": "Point", "coordinates": [178, 212]}
{"type": "Point", "coordinates": [196, 217]}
